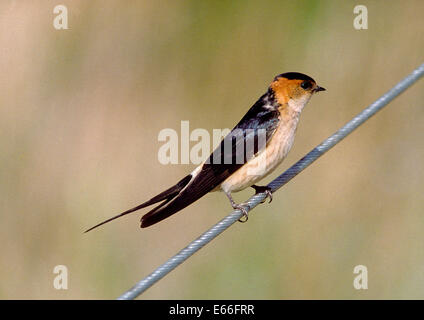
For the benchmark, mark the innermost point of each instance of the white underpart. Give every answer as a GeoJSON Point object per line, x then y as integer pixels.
{"type": "Point", "coordinates": [274, 153]}
{"type": "Point", "coordinates": [297, 105]}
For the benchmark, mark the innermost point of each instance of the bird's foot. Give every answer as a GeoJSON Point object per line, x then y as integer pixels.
{"type": "Point", "coordinates": [263, 189]}
{"type": "Point", "coordinates": [243, 207]}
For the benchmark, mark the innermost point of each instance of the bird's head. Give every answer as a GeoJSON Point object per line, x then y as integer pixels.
{"type": "Point", "coordinates": [294, 89]}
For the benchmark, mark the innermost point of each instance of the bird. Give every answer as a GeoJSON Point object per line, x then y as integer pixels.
{"type": "Point", "coordinates": [251, 151]}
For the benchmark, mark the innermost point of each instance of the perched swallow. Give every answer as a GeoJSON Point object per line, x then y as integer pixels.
{"type": "Point", "coordinates": [272, 119]}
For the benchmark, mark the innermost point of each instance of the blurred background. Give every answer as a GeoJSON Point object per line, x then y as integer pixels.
{"type": "Point", "coordinates": [80, 114]}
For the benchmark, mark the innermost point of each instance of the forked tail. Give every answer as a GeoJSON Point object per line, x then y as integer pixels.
{"type": "Point", "coordinates": [165, 196]}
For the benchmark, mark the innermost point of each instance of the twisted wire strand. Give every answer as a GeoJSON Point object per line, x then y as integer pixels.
{"type": "Point", "coordinates": [276, 184]}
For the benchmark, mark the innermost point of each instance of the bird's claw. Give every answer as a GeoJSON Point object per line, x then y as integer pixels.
{"type": "Point", "coordinates": [268, 194]}
{"type": "Point", "coordinates": [263, 189]}
{"type": "Point", "coordinates": [242, 208]}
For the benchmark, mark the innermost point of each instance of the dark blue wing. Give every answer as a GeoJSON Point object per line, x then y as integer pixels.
{"type": "Point", "coordinates": [247, 138]}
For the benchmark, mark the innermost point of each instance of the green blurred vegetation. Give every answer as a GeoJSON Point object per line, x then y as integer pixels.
{"type": "Point", "coordinates": [80, 111]}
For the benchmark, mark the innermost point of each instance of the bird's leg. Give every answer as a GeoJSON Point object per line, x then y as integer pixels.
{"type": "Point", "coordinates": [263, 189]}
{"type": "Point", "coordinates": [241, 207]}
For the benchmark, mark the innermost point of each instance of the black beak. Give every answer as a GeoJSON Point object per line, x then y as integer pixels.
{"type": "Point", "coordinates": [318, 88]}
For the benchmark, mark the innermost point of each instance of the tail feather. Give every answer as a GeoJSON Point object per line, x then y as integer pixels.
{"type": "Point", "coordinates": [202, 183]}
{"type": "Point", "coordinates": [167, 195]}
{"type": "Point", "coordinates": [165, 209]}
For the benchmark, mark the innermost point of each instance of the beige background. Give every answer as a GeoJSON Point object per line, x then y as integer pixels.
{"type": "Point", "coordinates": [81, 109]}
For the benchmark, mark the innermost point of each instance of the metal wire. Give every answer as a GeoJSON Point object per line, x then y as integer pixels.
{"type": "Point", "coordinates": [276, 184]}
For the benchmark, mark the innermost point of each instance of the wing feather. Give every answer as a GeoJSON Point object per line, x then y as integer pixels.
{"type": "Point", "coordinates": [222, 163]}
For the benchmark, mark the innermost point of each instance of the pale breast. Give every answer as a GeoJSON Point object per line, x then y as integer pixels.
{"type": "Point", "coordinates": [265, 161]}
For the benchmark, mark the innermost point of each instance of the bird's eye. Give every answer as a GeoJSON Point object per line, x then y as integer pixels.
{"type": "Point", "coordinates": [306, 85]}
